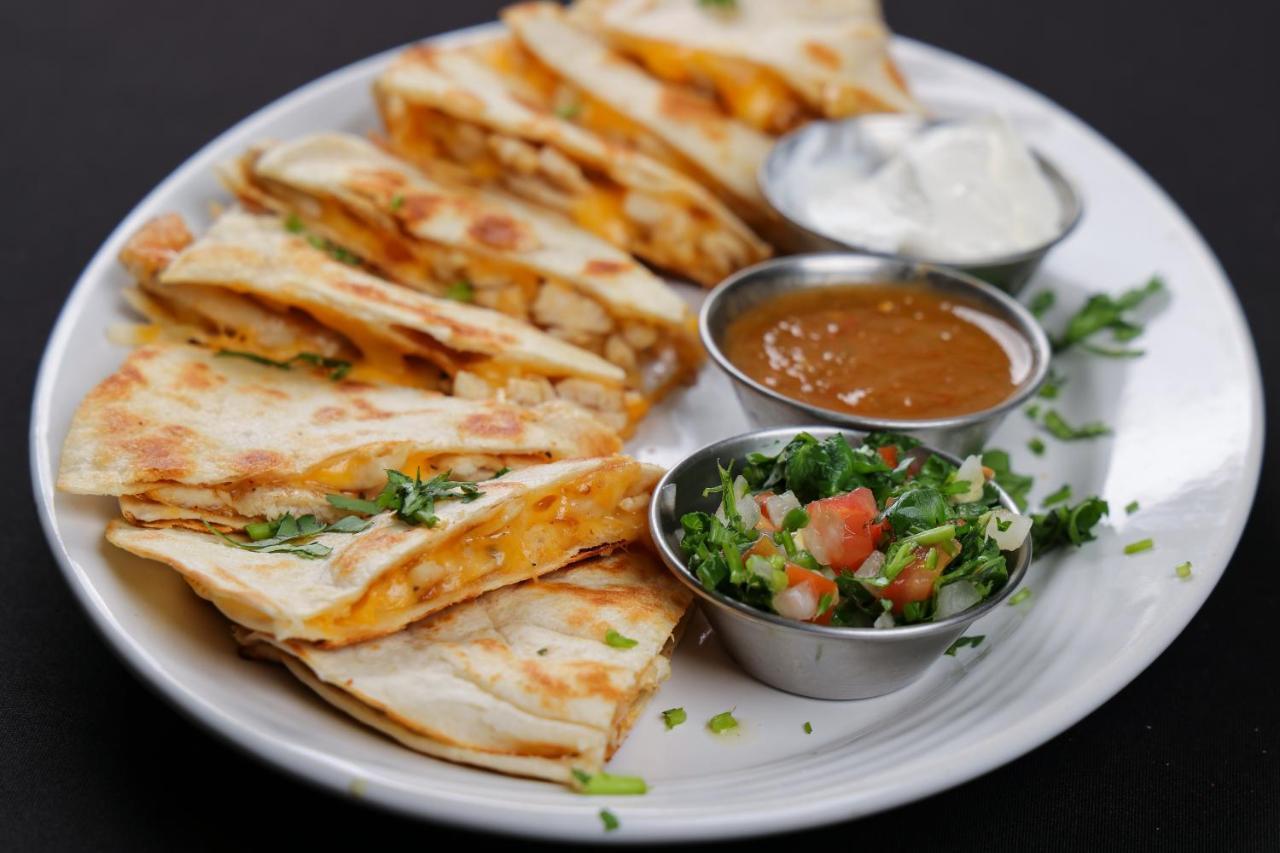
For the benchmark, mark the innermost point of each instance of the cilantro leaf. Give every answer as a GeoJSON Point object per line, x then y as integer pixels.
{"type": "Point", "coordinates": [1102, 311]}
{"type": "Point", "coordinates": [289, 535]}
{"type": "Point", "coordinates": [1060, 429]}
{"type": "Point", "coordinates": [337, 367]}
{"type": "Point", "coordinates": [609, 819]}
{"type": "Point", "coordinates": [973, 642]}
{"type": "Point", "coordinates": [1067, 525]}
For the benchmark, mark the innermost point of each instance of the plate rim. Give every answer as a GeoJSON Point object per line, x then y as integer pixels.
{"type": "Point", "coordinates": [961, 766]}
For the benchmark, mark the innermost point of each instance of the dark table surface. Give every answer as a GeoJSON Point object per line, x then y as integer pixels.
{"type": "Point", "coordinates": [105, 99]}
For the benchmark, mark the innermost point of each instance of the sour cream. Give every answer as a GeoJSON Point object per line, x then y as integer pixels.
{"type": "Point", "coordinates": [959, 192]}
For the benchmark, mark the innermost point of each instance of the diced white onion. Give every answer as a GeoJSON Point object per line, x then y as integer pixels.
{"type": "Point", "coordinates": [971, 473]}
{"type": "Point", "coordinates": [884, 620]}
{"type": "Point", "coordinates": [747, 506]}
{"type": "Point", "coordinates": [955, 598]}
{"type": "Point", "coordinates": [815, 542]}
{"type": "Point", "coordinates": [778, 506]}
{"type": "Point", "coordinates": [1016, 529]}
{"type": "Point", "coordinates": [796, 602]}
{"type": "Point", "coordinates": [871, 566]}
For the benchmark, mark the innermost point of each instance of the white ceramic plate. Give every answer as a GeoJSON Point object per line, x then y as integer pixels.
{"type": "Point", "coordinates": [1188, 435]}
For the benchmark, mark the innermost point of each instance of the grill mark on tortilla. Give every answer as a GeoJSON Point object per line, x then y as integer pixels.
{"type": "Point", "coordinates": [499, 231]}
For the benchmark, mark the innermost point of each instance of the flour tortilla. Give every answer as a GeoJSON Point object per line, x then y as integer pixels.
{"type": "Point", "coordinates": [687, 130]}
{"type": "Point", "coordinates": [375, 323]}
{"type": "Point", "coordinates": [436, 103]}
{"type": "Point", "coordinates": [183, 434]}
{"type": "Point", "coordinates": [519, 680]}
{"type": "Point", "coordinates": [374, 582]}
{"type": "Point", "coordinates": [833, 55]}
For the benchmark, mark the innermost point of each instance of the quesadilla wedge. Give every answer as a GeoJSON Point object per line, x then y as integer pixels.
{"type": "Point", "coordinates": [519, 259]}
{"type": "Point", "coordinates": [773, 65]}
{"type": "Point", "coordinates": [449, 103]}
{"type": "Point", "coordinates": [251, 286]}
{"type": "Point", "coordinates": [615, 98]}
{"type": "Point", "coordinates": [519, 680]}
{"type": "Point", "coordinates": [355, 586]}
{"type": "Point", "coordinates": [182, 436]}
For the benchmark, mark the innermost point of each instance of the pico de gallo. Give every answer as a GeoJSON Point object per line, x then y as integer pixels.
{"type": "Point", "coordinates": [879, 534]}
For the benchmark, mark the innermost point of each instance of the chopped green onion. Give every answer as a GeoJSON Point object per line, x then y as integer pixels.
{"type": "Point", "coordinates": [397, 201]}
{"type": "Point", "coordinates": [674, 717]}
{"type": "Point", "coordinates": [460, 291]}
{"type": "Point", "coordinates": [795, 519]}
{"type": "Point", "coordinates": [1139, 546]}
{"type": "Point", "coordinates": [613, 638]}
{"type": "Point", "coordinates": [722, 722]}
{"type": "Point", "coordinates": [609, 819]}
{"type": "Point", "coordinates": [934, 535]}
{"type": "Point", "coordinates": [808, 729]}
{"type": "Point", "coordinates": [1020, 596]}
{"type": "Point", "coordinates": [1183, 570]}
{"type": "Point", "coordinates": [258, 530]}
{"type": "Point", "coordinates": [608, 784]}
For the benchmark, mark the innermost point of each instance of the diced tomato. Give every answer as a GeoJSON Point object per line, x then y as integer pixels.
{"type": "Point", "coordinates": [915, 582]}
{"type": "Point", "coordinates": [818, 584]}
{"type": "Point", "coordinates": [889, 454]}
{"type": "Point", "coordinates": [841, 531]}
{"type": "Point", "coordinates": [763, 547]}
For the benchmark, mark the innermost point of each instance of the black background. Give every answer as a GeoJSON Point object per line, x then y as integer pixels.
{"type": "Point", "coordinates": [103, 99]}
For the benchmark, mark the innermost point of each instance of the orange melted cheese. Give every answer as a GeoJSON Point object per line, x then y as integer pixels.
{"type": "Point", "coordinates": [497, 552]}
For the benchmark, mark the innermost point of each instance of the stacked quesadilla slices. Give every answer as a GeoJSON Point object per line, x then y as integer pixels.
{"type": "Point", "coordinates": [772, 65]}
{"type": "Point", "coordinates": [519, 259]}
{"type": "Point", "coordinates": [357, 581]}
{"type": "Point", "coordinates": [519, 680]}
{"type": "Point", "coordinates": [575, 71]}
{"type": "Point", "coordinates": [457, 105]}
{"type": "Point", "coordinates": [251, 286]}
{"type": "Point", "coordinates": [183, 436]}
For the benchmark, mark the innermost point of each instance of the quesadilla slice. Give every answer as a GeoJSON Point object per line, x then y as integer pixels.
{"type": "Point", "coordinates": [182, 435]}
{"type": "Point", "coordinates": [576, 70]}
{"type": "Point", "coordinates": [450, 104]}
{"type": "Point", "coordinates": [340, 587]}
{"type": "Point", "coordinates": [772, 65]}
{"type": "Point", "coordinates": [519, 680]}
{"type": "Point", "coordinates": [251, 286]}
{"type": "Point", "coordinates": [521, 260]}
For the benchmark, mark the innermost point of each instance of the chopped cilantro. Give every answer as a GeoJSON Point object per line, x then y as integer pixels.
{"type": "Point", "coordinates": [293, 224]}
{"type": "Point", "coordinates": [1064, 431]}
{"type": "Point", "coordinates": [1183, 570]}
{"type": "Point", "coordinates": [1067, 525]}
{"type": "Point", "coordinates": [972, 642]}
{"type": "Point", "coordinates": [1032, 411]}
{"type": "Point", "coordinates": [1017, 485]}
{"type": "Point", "coordinates": [1036, 446]}
{"type": "Point", "coordinates": [1020, 596]}
{"type": "Point", "coordinates": [808, 728]}
{"type": "Point", "coordinates": [609, 819]}
{"type": "Point", "coordinates": [542, 652]}
{"type": "Point", "coordinates": [569, 111]}
{"type": "Point", "coordinates": [722, 722]}
{"type": "Point", "coordinates": [1103, 311]}
{"type": "Point", "coordinates": [719, 5]}
{"type": "Point", "coordinates": [1052, 386]}
{"type": "Point", "coordinates": [607, 783]}
{"type": "Point", "coordinates": [674, 717]}
{"type": "Point", "coordinates": [413, 500]}
{"type": "Point", "coordinates": [1041, 303]}
{"type": "Point", "coordinates": [338, 369]}
{"type": "Point", "coordinates": [289, 535]}
{"type": "Point", "coordinates": [397, 201]}
{"type": "Point", "coordinates": [1139, 546]}
{"type": "Point", "coordinates": [1062, 494]}
{"type": "Point", "coordinates": [1131, 507]}
{"type": "Point", "coordinates": [613, 638]}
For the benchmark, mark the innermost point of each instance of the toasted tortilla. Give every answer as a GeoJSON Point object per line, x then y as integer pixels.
{"type": "Point", "coordinates": [630, 108]}
{"type": "Point", "coordinates": [181, 434]}
{"type": "Point", "coordinates": [524, 524]}
{"type": "Point", "coordinates": [773, 65]}
{"type": "Point", "coordinates": [452, 104]}
{"type": "Point", "coordinates": [520, 259]}
{"type": "Point", "coordinates": [519, 680]}
{"type": "Point", "coordinates": [250, 285]}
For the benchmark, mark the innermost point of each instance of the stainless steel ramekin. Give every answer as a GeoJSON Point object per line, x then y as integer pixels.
{"type": "Point", "coordinates": [818, 661]}
{"type": "Point", "coordinates": [766, 407]}
{"type": "Point", "coordinates": [857, 147]}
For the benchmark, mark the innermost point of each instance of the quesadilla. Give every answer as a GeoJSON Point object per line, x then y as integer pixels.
{"type": "Point", "coordinates": [773, 65]}
{"type": "Point", "coordinates": [352, 586]}
{"type": "Point", "coordinates": [519, 680]}
{"type": "Point", "coordinates": [183, 436]}
{"type": "Point", "coordinates": [450, 104]}
{"type": "Point", "coordinates": [251, 286]}
{"type": "Point", "coordinates": [514, 257]}
{"type": "Point", "coordinates": [627, 107]}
